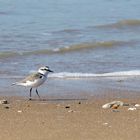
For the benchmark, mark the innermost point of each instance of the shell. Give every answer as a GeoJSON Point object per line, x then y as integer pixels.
{"type": "Point", "coordinates": [113, 105]}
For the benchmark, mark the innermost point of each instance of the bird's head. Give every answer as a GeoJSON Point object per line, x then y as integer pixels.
{"type": "Point", "coordinates": [44, 70]}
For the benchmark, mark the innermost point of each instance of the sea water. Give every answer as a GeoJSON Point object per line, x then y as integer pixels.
{"type": "Point", "coordinates": [90, 45]}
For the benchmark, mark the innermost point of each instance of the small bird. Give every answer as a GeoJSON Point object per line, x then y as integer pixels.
{"type": "Point", "coordinates": [35, 80]}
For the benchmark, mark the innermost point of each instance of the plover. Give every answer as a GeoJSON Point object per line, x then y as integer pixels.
{"type": "Point", "coordinates": [35, 80]}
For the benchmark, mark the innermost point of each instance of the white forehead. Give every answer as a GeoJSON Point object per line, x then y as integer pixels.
{"type": "Point", "coordinates": [44, 67]}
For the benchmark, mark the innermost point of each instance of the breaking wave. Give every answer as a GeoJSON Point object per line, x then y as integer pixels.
{"type": "Point", "coordinates": [120, 74]}
{"type": "Point", "coordinates": [80, 75]}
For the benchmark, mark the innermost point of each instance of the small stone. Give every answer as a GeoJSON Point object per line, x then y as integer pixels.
{"type": "Point", "coordinates": [19, 111]}
{"type": "Point", "coordinates": [3, 101]}
{"type": "Point", "coordinates": [79, 103]}
{"type": "Point", "coordinates": [131, 108]}
{"type": "Point", "coordinates": [137, 105]}
{"type": "Point", "coordinates": [67, 106]}
{"type": "Point", "coordinates": [115, 110]}
{"type": "Point", "coordinates": [70, 111]}
{"type": "Point", "coordinates": [6, 107]}
{"type": "Point", "coordinates": [126, 104]}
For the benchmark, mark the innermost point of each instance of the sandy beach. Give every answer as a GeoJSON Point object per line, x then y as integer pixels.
{"type": "Point", "coordinates": [93, 48]}
{"type": "Point", "coordinates": [69, 119]}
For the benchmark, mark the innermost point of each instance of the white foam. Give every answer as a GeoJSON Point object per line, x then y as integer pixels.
{"type": "Point", "coordinates": [126, 74]}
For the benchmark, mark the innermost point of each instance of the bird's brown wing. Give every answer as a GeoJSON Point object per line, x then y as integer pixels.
{"type": "Point", "coordinates": [31, 77]}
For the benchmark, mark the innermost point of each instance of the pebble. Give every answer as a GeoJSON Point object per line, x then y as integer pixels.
{"type": "Point", "coordinates": [132, 108]}
{"type": "Point", "coordinates": [79, 103]}
{"type": "Point", "coordinates": [19, 111]}
{"type": "Point", "coordinates": [3, 101]}
{"type": "Point", "coordinates": [137, 105]}
{"type": "Point", "coordinates": [115, 110]}
{"type": "Point", "coordinates": [67, 106]}
{"type": "Point", "coordinates": [70, 111]}
{"type": "Point", "coordinates": [126, 104]}
{"type": "Point", "coordinates": [105, 123]}
{"type": "Point", "coordinates": [6, 107]}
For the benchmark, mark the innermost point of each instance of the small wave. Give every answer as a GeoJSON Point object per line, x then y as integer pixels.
{"type": "Point", "coordinates": [80, 47]}
{"type": "Point", "coordinates": [69, 31]}
{"type": "Point", "coordinates": [8, 54]}
{"type": "Point", "coordinates": [67, 49]}
{"type": "Point", "coordinates": [127, 74]}
{"type": "Point", "coordinates": [122, 23]}
{"type": "Point", "coordinates": [83, 46]}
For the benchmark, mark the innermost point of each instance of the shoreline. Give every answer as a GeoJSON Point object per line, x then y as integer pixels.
{"type": "Point", "coordinates": [69, 118]}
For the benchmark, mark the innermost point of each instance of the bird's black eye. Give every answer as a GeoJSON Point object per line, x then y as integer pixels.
{"type": "Point", "coordinates": [43, 69]}
{"type": "Point", "coordinates": [40, 77]}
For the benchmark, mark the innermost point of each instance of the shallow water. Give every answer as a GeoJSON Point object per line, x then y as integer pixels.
{"type": "Point", "coordinates": [81, 41]}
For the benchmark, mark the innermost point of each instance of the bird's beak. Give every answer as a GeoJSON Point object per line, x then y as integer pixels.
{"type": "Point", "coordinates": [50, 70]}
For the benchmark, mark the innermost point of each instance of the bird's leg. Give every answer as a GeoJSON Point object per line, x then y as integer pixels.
{"type": "Point", "coordinates": [37, 93]}
{"type": "Point", "coordinates": [30, 94]}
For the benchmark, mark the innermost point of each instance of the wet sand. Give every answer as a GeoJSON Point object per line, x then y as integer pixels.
{"type": "Point", "coordinates": [69, 119]}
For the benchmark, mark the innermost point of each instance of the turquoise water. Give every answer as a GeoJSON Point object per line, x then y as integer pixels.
{"type": "Point", "coordinates": [80, 40]}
